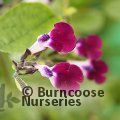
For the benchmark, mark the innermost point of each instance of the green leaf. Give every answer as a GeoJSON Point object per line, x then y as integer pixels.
{"type": "Point", "coordinates": [9, 96]}
{"type": "Point", "coordinates": [77, 3]}
{"type": "Point", "coordinates": [84, 3]}
{"type": "Point", "coordinates": [15, 100]}
{"type": "Point", "coordinates": [111, 48]}
{"type": "Point", "coordinates": [10, 105]}
{"type": "Point", "coordinates": [111, 39]}
{"type": "Point", "coordinates": [20, 27]}
{"type": "Point", "coordinates": [112, 8]}
{"type": "Point", "coordinates": [87, 21]}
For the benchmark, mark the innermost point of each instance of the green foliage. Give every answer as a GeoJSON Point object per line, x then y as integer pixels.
{"type": "Point", "coordinates": [20, 27]}
{"type": "Point", "coordinates": [10, 105]}
{"type": "Point", "coordinates": [111, 40]}
{"type": "Point", "coordinates": [112, 8]}
{"type": "Point", "coordinates": [85, 3]}
{"type": "Point", "coordinates": [15, 100]}
{"type": "Point", "coordinates": [114, 91]}
{"type": "Point", "coordinates": [86, 21]}
{"type": "Point", "coordinates": [9, 96]}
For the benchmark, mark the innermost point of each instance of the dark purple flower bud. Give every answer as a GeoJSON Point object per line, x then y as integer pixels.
{"type": "Point", "coordinates": [93, 69]}
{"type": "Point", "coordinates": [89, 47]}
{"type": "Point", "coordinates": [66, 76]}
{"type": "Point", "coordinates": [62, 38]}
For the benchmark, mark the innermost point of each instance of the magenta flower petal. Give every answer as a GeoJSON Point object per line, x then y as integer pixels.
{"type": "Point", "coordinates": [91, 75]}
{"type": "Point", "coordinates": [100, 79]}
{"type": "Point", "coordinates": [62, 38]}
{"type": "Point", "coordinates": [89, 47]}
{"type": "Point", "coordinates": [81, 47]}
{"type": "Point", "coordinates": [94, 41]}
{"type": "Point", "coordinates": [94, 54]}
{"type": "Point", "coordinates": [67, 76]}
{"type": "Point", "coordinates": [99, 68]}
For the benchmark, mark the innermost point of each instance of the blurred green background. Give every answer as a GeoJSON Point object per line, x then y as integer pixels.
{"type": "Point", "coordinates": [20, 24]}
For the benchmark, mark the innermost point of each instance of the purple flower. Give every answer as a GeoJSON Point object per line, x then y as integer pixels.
{"type": "Point", "coordinates": [61, 39]}
{"type": "Point", "coordinates": [97, 73]}
{"type": "Point", "coordinates": [89, 47]}
{"type": "Point", "coordinates": [64, 76]}
{"type": "Point", "coordinates": [93, 69]}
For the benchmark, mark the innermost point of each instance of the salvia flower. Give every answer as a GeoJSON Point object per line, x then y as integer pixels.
{"type": "Point", "coordinates": [61, 39]}
{"type": "Point", "coordinates": [64, 76]}
{"type": "Point", "coordinates": [93, 69]}
{"type": "Point", "coordinates": [89, 47]}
